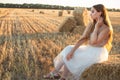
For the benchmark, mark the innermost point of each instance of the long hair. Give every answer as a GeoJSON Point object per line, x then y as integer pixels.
{"type": "Point", "coordinates": [106, 20]}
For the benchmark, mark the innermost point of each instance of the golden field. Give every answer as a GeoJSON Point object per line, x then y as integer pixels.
{"type": "Point", "coordinates": [30, 40]}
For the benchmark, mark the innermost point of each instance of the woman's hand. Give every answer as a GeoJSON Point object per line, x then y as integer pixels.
{"type": "Point", "coordinates": [99, 22]}
{"type": "Point", "coordinates": [69, 56]}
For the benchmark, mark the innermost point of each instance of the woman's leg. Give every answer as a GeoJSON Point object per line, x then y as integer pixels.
{"type": "Point", "coordinates": [58, 63]}
{"type": "Point", "coordinates": [58, 67]}
{"type": "Point", "coordinates": [54, 74]}
{"type": "Point", "coordinates": [65, 72]}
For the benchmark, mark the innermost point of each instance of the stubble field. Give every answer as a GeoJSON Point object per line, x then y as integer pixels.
{"type": "Point", "coordinates": [30, 40]}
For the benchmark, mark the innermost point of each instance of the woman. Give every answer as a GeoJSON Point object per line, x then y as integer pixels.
{"type": "Point", "coordinates": [76, 58]}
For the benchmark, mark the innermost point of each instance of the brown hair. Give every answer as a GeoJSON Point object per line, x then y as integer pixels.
{"type": "Point", "coordinates": [106, 20]}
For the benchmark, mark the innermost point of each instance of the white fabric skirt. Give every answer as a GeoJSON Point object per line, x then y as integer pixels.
{"type": "Point", "coordinates": [83, 58]}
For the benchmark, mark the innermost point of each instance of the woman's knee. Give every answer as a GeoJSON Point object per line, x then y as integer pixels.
{"type": "Point", "coordinates": [67, 49]}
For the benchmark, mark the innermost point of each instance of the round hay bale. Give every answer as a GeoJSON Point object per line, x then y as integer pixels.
{"type": "Point", "coordinates": [109, 70]}
{"type": "Point", "coordinates": [68, 11]}
{"type": "Point", "coordinates": [53, 11]}
{"type": "Point", "coordinates": [33, 10]}
{"type": "Point", "coordinates": [60, 13]}
{"type": "Point", "coordinates": [68, 25]}
{"type": "Point", "coordinates": [81, 15]}
{"type": "Point", "coordinates": [79, 29]}
{"type": "Point", "coordinates": [41, 12]}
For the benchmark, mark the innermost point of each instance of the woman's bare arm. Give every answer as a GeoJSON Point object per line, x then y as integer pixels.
{"type": "Point", "coordinates": [97, 38]}
{"type": "Point", "coordinates": [98, 35]}
{"type": "Point", "coordinates": [80, 42]}
{"type": "Point", "coordinates": [83, 38]}
{"type": "Point", "coordinates": [71, 53]}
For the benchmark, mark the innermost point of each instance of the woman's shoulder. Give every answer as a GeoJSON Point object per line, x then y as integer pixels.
{"type": "Point", "coordinates": [105, 29]}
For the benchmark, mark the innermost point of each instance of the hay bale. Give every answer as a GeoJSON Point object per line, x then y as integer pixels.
{"type": "Point", "coordinates": [41, 12]}
{"type": "Point", "coordinates": [33, 10]}
{"type": "Point", "coordinates": [109, 70]}
{"type": "Point", "coordinates": [81, 15]}
{"type": "Point", "coordinates": [60, 13]}
{"type": "Point", "coordinates": [68, 25]}
{"type": "Point", "coordinates": [79, 29]}
{"type": "Point", "coordinates": [53, 11]}
{"type": "Point", "coordinates": [68, 11]}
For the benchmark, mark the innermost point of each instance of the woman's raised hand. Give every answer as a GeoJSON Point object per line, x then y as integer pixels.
{"type": "Point", "coordinates": [99, 22]}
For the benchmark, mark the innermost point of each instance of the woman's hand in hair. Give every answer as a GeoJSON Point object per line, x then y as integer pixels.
{"type": "Point", "coordinates": [99, 22]}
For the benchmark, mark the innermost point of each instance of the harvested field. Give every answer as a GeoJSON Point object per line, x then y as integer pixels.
{"type": "Point", "coordinates": [29, 41]}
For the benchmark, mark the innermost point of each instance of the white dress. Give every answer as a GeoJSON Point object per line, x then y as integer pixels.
{"type": "Point", "coordinates": [83, 58]}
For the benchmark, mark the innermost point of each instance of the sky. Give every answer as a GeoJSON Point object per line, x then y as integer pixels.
{"type": "Point", "coordinates": [73, 3]}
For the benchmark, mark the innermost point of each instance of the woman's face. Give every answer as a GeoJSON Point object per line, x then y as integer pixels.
{"type": "Point", "coordinates": [94, 14]}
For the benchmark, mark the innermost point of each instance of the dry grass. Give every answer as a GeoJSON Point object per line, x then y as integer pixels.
{"type": "Point", "coordinates": [68, 25]}
{"type": "Point", "coordinates": [109, 70]}
{"type": "Point", "coordinates": [60, 13]}
{"type": "Point", "coordinates": [29, 41]}
{"type": "Point", "coordinates": [81, 16]}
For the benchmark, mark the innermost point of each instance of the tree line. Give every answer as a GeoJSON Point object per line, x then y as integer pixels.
{"type": "Point", "coordinates": [37, 6]}
{"type": "Point", "coordinates": [42, 6]}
